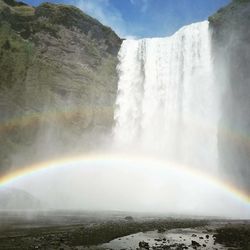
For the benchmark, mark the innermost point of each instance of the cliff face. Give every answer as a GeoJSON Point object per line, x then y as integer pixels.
{"type": "Point", "coordinates": [57, 81]}
{"type": "Point", "coordinates": [231, 44]}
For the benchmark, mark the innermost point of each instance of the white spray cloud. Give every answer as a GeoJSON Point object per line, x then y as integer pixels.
{"type": "Point", "coordinates": [127, 184]}
{"type": "Point", "coordinates": [143, 4]}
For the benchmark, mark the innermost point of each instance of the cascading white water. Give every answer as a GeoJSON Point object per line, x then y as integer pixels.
{"type": "Point", "coordinates": [167, 101]}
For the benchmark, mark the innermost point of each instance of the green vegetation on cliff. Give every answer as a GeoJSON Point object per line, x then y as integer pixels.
{"type": "Point", "coordinates": [57, 81]}
{"type": "Point", "coordinates": [236, 14]}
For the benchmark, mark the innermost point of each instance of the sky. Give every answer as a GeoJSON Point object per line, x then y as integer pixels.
{"type": "Point", "coordinates": [145, 18]}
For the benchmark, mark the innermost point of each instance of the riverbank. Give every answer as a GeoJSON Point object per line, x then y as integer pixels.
{"type": "Point", "coordinates": [90, 230]}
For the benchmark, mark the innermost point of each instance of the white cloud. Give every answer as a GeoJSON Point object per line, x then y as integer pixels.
{"type": "Point", "coordinates": [142, 4]}
{"type": "Point", "coordinates": [103, 11]}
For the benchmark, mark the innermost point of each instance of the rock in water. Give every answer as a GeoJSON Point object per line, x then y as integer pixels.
{"type": "Point", "coordinates": [195, 243]}
{"type": "Point", "coordinates": [143, 245]}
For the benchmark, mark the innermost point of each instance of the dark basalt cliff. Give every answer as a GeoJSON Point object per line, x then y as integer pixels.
{"type": "Point", "coordinates": [231, 45]}
{"type": "Point", "coordinates": [58, 81]}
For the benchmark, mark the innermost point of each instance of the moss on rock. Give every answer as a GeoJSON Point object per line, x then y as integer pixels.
{"type": "Point", "coordinates": [57, 81]}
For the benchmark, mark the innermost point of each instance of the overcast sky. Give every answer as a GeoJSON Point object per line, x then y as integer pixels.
{"type": "Point", "coordinates": [145, 18]}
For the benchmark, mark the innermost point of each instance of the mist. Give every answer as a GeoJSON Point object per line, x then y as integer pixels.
{"type": "Point", "coordinates": [161, 154]}
{"type": "Point", "coordinates": [131, 184]}
{"type": "Point", "coordinates": [231, 61]}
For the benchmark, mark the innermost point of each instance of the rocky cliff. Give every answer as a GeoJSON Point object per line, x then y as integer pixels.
{"type": "Point", "coordinates": [57, 81]}
{"type": "Point", "coordinates": [231, 45]}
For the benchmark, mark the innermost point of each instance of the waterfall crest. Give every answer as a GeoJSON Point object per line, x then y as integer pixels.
{"type": "Point", "coordinates": [166, 102]}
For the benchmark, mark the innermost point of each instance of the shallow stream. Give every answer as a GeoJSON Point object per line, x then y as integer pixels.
{"type": "Point", "coordinates": [172, 239]}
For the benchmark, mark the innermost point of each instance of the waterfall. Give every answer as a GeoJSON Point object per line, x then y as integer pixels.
{"type": "Point", "coordinates": [167, 99]}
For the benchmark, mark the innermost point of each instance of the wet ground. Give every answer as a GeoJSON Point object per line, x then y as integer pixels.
{"type": "Point", "coordinates": [183, 238]}
{"type": "Point", "coordinates": [234, 235]}
{"type": "Point", "coordinates": [66, 230]}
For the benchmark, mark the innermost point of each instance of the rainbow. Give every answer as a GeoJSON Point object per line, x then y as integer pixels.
{"type": "Point", "coordinates": [63, 114]}
{"type": "Point", "coordinates": [103, 159]}
{"type": "Point", "coordinates": [66, 114]}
